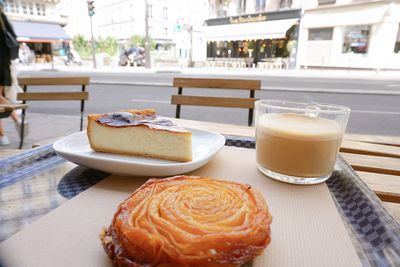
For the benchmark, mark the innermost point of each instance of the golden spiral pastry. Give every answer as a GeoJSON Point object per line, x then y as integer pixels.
{"type": "Point", "coordinates": [188, 221]}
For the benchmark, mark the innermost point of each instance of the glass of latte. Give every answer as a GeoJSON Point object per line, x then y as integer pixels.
{"type": "Point", "coordinates": [298, 142]}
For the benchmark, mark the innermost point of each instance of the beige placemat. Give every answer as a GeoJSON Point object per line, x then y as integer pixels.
{"type": "Point", "coordinates": [306, 229]}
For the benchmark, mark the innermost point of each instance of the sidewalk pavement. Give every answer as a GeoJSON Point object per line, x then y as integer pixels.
{"type": "Point", "coordinates": [304, 73]}
{"type": "Point", "coordinates": [43, 129]}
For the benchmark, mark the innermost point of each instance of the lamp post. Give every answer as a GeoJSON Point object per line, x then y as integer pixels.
{"type": "Point", "coordinates": [147, 63]}
{"type": "Point", "coordinates": [91, 13]}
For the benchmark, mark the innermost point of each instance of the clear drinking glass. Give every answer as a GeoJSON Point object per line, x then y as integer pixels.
{"type": "Point", "coordinates": [298, 142]}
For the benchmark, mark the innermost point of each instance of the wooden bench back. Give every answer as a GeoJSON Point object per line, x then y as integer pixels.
{"type": "Point", "coordinates": [28, 81]}
{"type": "Point", "coordinates": [50, 81]}
{"type": "Point", "coordinates": [227, 102]}
{"type": "Point", "coordinates": [52, 95]}
{"type": "Point", "coordinates": [39, 96]}
{"type": "Point", "coordinates": [217, 83]}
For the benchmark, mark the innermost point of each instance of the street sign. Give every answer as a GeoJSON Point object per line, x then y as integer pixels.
{"type": "Point", "coordinates": [90, 8]}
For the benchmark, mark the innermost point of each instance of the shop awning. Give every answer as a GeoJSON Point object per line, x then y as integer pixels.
{"type": "Point", "coordinates": [249, 31]}
{"type": "Point", "coordinates": [39, 32]}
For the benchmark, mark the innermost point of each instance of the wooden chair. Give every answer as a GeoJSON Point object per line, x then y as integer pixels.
{"type": "Point", "coordinates": [7, 109]}
{"type": "Point", "coordinates": [52, 96]}
{"type": "Point", "coordinates": [230, 102]}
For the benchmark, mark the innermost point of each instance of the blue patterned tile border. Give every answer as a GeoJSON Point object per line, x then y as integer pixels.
{"type": "Point", "coordinates": [375, 229]}
{"type": "Point", "coordinates": [78, 180]}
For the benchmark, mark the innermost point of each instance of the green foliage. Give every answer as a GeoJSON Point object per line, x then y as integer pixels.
{"type": "Point", "coordinates": [138, 39]}
{"type": "Point", "coordinates": [84, 48]}
{"type": "Point", "coordinates": [108, 46]}
{"type": "Point", "coordinates": [81, 46]}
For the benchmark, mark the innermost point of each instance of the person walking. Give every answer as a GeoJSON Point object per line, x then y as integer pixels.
{"type": "Point", "coordinates": [8, 51]}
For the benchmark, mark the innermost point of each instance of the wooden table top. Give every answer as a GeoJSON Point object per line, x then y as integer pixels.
{"type": "Point", "coordinates": [376, 159]}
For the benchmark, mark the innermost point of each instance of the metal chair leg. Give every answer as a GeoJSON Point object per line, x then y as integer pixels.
{"type": "Point", "coordinates": [21, 137]}
{"type": "Point", "coordinates": [178, 107]}
{"type": "Point", "coordinates": [82, 108]}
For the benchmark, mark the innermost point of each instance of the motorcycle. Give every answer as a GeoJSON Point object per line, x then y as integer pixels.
{"type": "Point", "coordinates": [132, 57]}
{"type": "Point", "coordinates": [72, 57]}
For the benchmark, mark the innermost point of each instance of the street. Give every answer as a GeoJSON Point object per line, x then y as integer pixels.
{"type": "Point", "coordinates": [375, 103]}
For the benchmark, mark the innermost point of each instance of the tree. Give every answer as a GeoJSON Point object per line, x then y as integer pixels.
{"type": "Point", "coordinates": [138, 39]}
{"type": "Point", "coordinates": [108, 45]}
{"type": "Point", "coordinates": [81, 46]}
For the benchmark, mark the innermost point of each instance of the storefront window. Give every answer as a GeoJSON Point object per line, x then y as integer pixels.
{"type": "Point", "coordinates": [259, 50]}
{"type": "Point", "coordinates": [320, 34]}
{"type": "Point", "coordinates": [397, 44]}
{"type": "Point", "coordinates": [356, 39]}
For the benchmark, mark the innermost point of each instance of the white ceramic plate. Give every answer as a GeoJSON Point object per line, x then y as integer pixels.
{"type": "Point", "coordinates": [75, 148]}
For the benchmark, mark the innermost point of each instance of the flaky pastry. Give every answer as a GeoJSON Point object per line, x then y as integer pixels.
{"type": "Point", "coordinates": [188, 221]}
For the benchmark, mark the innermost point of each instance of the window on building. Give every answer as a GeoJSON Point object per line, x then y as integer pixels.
{"type": "Point", "coordinates": [7, 6]}
{"type": "Point", "coordinates": [222, 8]}
{"type": "Point", "coordinates": [260, 5]}
{"type": "Point", "coordinates": [285, 4]}
{"type": "Point", "coordinates": [356, 39]}
{"type": "Point", "coordinates": [165, 31]}
{"type": "Point", "coordinates": [150, 11]}
{"type": "Point", "coordinates": [40, 10]}
{"type": "Point", "coordinates": [326, 2]}
{"type": "Point", "coordinates": [11, 6]}
{"type": "Point", "coordinates": [241, 7]}
{"type": "Point", "coordinates": [320, 34]}
{"type": "Point", "coordinates": [397, 44]}
{"type": "Point", "coordinates": [31, 9]}
{"type": "Point", "coordinates": [24, 7]}
{"type": "Point", "coordinates": [43, 10]}
{"type": "Point", "coordinates": [165, 13]}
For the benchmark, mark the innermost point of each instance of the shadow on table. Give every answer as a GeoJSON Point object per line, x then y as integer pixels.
{"type": "Point", "coordinates": [78, 180]}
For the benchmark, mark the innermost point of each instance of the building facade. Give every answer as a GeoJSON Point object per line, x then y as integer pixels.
{"type": "Point", "coordinates": [78, 22]}
{"type": "Point", "coordinates": [38, 26]}
{"type": "Point", "coordinates": [350, 34]}
{"type": "Point", "coordinates": [252, 31]}
{"type": "Point", "coordinates": [169, 21]}
{"type": "Point", "coordinates": [34, 10]}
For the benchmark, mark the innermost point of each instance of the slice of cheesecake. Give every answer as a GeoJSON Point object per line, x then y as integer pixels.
{"type": "Point", "coordinates": [139, 133]}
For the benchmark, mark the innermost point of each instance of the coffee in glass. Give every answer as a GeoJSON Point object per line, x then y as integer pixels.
{"type": "Point", "coordinates": [298, 142]}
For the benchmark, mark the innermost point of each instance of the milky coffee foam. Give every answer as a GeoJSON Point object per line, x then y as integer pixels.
{"type": "Point", "coordinates": [297, 145]}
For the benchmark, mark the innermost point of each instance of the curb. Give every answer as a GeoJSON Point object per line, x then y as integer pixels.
{"type": "Point", "coordinates": [277, 89]}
